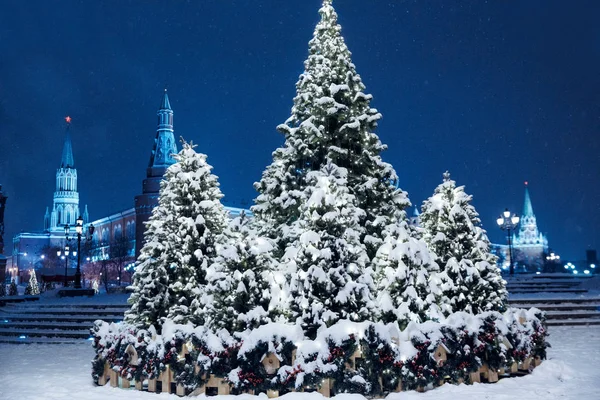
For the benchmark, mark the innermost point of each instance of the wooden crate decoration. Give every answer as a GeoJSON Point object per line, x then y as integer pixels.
{"type": "Point", "coordinates": [526, 365]}
{"type": "Point", "coordinates": [214, 385]}
{"type": "Point", "coordinates": [355, 358]}
{"type": "Point", "coordinates": [475, 377]}
{"type": "Point", "coordinates": [271, 363]}
{"type": "Point", "coordinates": [488, 373]}
{"type": "Point", "coordinates": [537, 361]}
{"type": "Point", "coordinates": [103, 379]}
{"type": "Point", "coordinates": [114, 378]}
{"type": "Point", "coordinates": [326, 387]}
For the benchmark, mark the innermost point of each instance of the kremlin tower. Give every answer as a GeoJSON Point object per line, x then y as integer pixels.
{"type": "Point", "coordinates": [530, 244]}
{"type": "Point", "coordinates": [160, 159]}
{"type": "Point", "coordinates": [65, 209]}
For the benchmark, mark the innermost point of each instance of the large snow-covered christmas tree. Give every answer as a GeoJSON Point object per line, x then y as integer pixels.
{"type": "Point", "coordinates": [181, 235]}
{"type": "Point", "coordinates": [451, 229]}
{"type": "Point", "coordinates": [331, 119]}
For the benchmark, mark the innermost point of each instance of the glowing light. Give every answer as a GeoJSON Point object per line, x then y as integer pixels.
{"type": "Point", "coordinates": [592, 265]}
{"type": "Point", "coordinates": [22, 337]}
{"type": "Point", "coordinates": [68, 119]}
{"type": "Point", "coordinates": [567, 266]}
{"type": "Point", "coordinates": [575, 272]}
{"type": "Point", "coordinates": [538, 272]}
{"type": "Point", "coordinates": [587, 272]}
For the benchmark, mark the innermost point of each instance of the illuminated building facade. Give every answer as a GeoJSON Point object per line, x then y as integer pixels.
{"type": "Point", "coordinates": [123, 229]}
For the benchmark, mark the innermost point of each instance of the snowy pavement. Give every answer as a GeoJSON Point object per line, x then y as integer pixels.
{"type": "Point", "coordinates": [36, 372]}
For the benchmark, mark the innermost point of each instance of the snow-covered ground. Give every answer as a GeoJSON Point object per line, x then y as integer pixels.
{"type": "Point", "coordinates": [29, 372]}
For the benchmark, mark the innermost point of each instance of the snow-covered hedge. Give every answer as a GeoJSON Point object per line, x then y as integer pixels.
{"type": "Point", "coordinates": [367, 358]}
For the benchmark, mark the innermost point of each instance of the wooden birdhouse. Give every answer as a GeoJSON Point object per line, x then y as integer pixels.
{"type": "Point", "coordinates": [441, 354]}
{"type": "Point", "coordinates": [132, 355]}
{"type": "Point", "coordinates": [506, 343]}
{"type": "Point", "coordinates": [271, 363]}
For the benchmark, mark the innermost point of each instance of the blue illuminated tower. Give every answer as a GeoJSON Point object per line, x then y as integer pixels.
{"type": "Point", "coordinates": [160, 159]}
{"type": "Point", "coordinates": [530, 244]}
{"type": "Point", "coordinates": [65, 209]}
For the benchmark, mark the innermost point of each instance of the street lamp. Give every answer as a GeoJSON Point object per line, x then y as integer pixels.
{"type": "Point", "coordinates": [79, 231]}
{"type": "Point", "coordinates": [66, 257]}
{"type": "Point", "coordinates": [508, 223]}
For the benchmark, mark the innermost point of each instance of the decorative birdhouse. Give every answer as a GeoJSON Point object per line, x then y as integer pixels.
{"type": "Point", "coordinates": [271, 363]}
{"type": "Point", "coordinates": [441, 354]}
{"type": "Point", "coordinates": [506, 342]}
{"type": "Point", "coordinates": [132, 355]}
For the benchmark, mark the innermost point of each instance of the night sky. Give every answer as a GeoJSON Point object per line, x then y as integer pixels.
{"type": "Point", "coordinates": [497, 92]}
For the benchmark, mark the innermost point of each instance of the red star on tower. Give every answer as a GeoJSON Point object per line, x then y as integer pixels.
{"type": "Point", "coordinates": [68, 119]}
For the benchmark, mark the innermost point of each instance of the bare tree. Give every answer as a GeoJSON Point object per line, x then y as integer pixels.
{"type": "Point", "coordinates": [120, 255]}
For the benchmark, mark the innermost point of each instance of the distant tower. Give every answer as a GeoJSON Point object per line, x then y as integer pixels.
{"type": "Point", "coordinates": [160, 159]}
{"type": "Point", "coordinates": [65, 209]}
{"type": "Point", "coordinates": [529, 243]}
{"type": "Point", "coordinates": [415, 219]}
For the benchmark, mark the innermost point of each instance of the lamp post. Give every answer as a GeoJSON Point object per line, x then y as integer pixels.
{"type": "Point", "coordinates": [508, 223]}
{"type": "Point", "coordinates": [65, 254]}
{"type": "Point", "coordinates": [79, 231]}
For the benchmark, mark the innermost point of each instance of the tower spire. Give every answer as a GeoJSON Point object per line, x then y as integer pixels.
{"type": "Point", "coordinates": [165, 104]}
{"type": "Point", "coordinates": [164, 143]}
{"type": "Point", "coordinates": [527, 208]}
{"type": "Point", "coordinates": [67, 160]}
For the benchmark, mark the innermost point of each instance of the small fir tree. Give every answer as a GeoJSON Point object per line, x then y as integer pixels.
{"type": "Point", "coordinates": [451, 228]}
{"type": "Point", "coordinates": [170, 278]}
{"type": "Point", "coordinates": [331, 119]}
{"type": "Point", "coordinates": [239, 280]}
{"type": "Point", "coordinates": [327, 266]}
{"type": "Point", "coordinates": [12, 289]}
{"type": "Point", "coordinates": [33, 284]}
{"type": "Point", "coordinates": [404, 267]}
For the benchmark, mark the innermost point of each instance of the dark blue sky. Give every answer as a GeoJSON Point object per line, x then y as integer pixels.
{"type": "Point", "coordinates": [497, 92]}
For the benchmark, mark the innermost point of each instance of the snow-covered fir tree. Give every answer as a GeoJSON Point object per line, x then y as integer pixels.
{"type": "Point", "coordinates": [239, 281]}
{"type": "Point", "coordinates": [452, 230]}
{"type": "Point", "coordinates": [327, 265]}
{"type": "Point", "coordinates": [406, 277]}
{"type": "Point", "coordinates": [180, 239]}
{"type": "Point", "coordinates": [32, 286]}
{"type": "Point", "coordinates": [331, 119]}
